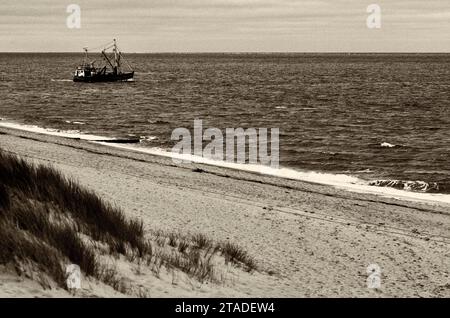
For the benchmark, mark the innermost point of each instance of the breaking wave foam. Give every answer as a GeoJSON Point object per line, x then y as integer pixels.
{"type": "Point", "coordinates": [342, 181]}
{"type": "Point", "coordinates": [74, 134]}
{"type": "Point", "coordinates": [387, 145]}
{"type": "Point", "coordinates": [418, 186]}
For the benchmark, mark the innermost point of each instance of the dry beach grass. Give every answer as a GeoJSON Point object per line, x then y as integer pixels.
{"type": "Point", "coordinates": [48, 222]}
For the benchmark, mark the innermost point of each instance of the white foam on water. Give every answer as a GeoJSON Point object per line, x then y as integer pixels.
{"type": "Point", "coordinates": [74, 134]}
{"type": "Point", "coordinates": [74, 122]}
{"type": "Point", "coordinates": [387, 145]}
{"type": "Point", "coordinates": [148, 138]}
{"type": "Point", "coordinates": [341, 181]}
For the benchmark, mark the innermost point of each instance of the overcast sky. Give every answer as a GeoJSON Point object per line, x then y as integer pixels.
{"type": "Point", "coordinates": [227, 25]}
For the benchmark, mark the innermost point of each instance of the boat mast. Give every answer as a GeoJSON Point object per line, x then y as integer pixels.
{"type": "Point", "coordinates": [85, 55]}
{"type": "Point", "coordinates": [116, 63]}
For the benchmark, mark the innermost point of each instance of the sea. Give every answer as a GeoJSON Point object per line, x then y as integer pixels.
{"type": "Point", "coordinates": [379, 120]}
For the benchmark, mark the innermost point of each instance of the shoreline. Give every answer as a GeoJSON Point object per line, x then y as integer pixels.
{"type": "Point", "coordinates": [309, 239]}
{"type": "Point", "coordinates": [341, 181]}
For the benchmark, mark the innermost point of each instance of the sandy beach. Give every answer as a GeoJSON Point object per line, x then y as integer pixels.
{"type": "Point", "coordinates": [308, 239]}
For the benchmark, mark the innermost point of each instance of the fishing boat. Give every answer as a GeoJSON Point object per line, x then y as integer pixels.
{"type": "Point", "coordinates": [112, 71]}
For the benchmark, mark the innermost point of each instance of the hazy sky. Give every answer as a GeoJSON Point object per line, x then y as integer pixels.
{"type": "Point", "coordinates": [227, 25]}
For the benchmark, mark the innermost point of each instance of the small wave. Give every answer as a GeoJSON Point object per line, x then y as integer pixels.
{"type": "Point", "coordinates": [280, 107]}
{"type": "Point", "coordinates": [363, 171]}
{"type": "Point", "coordinates": [148, 138]}
{"type": "Point", "coordinates": [415, 186]}
{"type": "Point", "coordinates": [75, 122]}
{"type": "Point", "coordinates": [387, 145]}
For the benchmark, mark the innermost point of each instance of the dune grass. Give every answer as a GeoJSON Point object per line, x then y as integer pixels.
{"type": "Point", "coordinates": [50, 221]}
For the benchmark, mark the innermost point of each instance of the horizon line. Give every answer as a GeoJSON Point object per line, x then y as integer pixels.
{"type": "Point", "coordinates": [235, 52]}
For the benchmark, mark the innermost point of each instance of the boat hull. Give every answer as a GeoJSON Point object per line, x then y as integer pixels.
{"type": "Point", "coordinates": [109, 77]}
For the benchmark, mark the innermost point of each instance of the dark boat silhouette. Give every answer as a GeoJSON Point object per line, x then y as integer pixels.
{"type": "Point", "coordinates": [111, 72]}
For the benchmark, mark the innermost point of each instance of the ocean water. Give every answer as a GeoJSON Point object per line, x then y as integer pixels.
{"type": "Point", "coordinates": [380, 118]}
